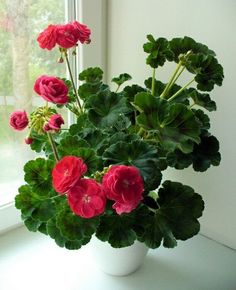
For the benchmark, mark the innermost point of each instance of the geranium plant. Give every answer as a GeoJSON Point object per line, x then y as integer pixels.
{"type": "Point", "coordinates": [103, 174]}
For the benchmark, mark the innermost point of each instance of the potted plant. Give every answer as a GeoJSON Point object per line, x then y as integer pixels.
{"type": "Point", "coordinates": [102, 176]}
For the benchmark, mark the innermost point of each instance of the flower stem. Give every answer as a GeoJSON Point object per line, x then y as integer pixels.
{"type": "Point", "coordinates": [117, 89]}
{"type": "Point", "coordinates": [172, 79]}
{"type": "Point", "coordinates": [153, 81]}
{"type": "Point", "coordinates": [180, 90]}
{"type": "Point", "coordinates": [72, 80]}
{"type": "Point", "coordinates": [54, 149]}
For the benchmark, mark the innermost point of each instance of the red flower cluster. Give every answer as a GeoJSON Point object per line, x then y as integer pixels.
{"type": "Point", "coordinates": [87, 198]}
{"type": "Point", "coordinates": [66, 36]}
{"type": "Point", "coordinates": [51, 89]}
{"type": "Point", "coordinates": [19, 120]}
{"type": "Point", "coordinates": [124, 185]}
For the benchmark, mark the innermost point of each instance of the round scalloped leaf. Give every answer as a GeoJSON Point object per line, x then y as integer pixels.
{"type": "Point", "coordinates": [176, 218]}
{"type": "Point", "coordinates": [122, 78]}
{"type": "Point", "coordinates": [117, 230]}
{"type": "Point", "coordinates": [207, 69]}
{"type": "Point", "coordinates": [202, 100]}
{"type": "Point", "coordinates": [178, 159]}
{"type": "Point", "coordinates": [131, 91]}
{"type": "Point", "coordinates": [206, 153]}
{"type": "Point", "coordinates": [183, 45]}
{"type": "Point", "coordinates": [91, 75]}
{"type": "Point", "coordinates": [175, 124]}
{"type": "Point", "coordinates": [38, 175]}
{"type": "Point", "coordinates": [60, 240]}
{"type": "Point", "coordinates": [105, 108]}
{"type": "Point", "coordinates": [26, 200]}
{"type": "Point", "coordinates": [158, 51]}
{"type": "Point", "coordinates": [73, 227]}
{"type": "Point", "coordinates": [70, 146]}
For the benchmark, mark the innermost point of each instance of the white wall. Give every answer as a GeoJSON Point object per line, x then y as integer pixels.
{"type": "Point", "coordinates": [212, 22]}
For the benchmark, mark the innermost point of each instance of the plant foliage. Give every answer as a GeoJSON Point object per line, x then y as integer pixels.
{"type": "Point", "coordinates": [149, 127]}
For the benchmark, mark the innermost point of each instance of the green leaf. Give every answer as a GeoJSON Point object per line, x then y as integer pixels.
{"type": "Point", "coordinates": [175, 124]}
{"type": "Point", "coordinates": [90, 158]}
{"type": "Point", "coordinates": [158, 50]}
{"type": "Point", "coordinates": [179, 202]}
{"type": "Point", "coordinates": [176, 218]}
{"type": "Point", "coordinates": [91, 75]}
{"type": "Point", "coordinates": [60, 240]}
{"type": "Point", "coordinates": [131, 91]}
{"type": "Point", "coordinates": [38, 175]}
{"type": "Point", "coordinates": [74, 227]}
{"type": "Point", "coordinates": [203, 120]}
{"type": "Point", "coordinates": [179, 160]}
{"type": "Point", "coordinates": [93, 83]}
{"type": "Point", "coordinates": [88, 90]}
{"type": "Point", "coordinates": [106, 107]}
{"type": "Point", "coordinates": [71, 145]}
{"type": "Point", "coordinates": [139, 154]}
{"type": "Point", "coordinates": [26, 200]}
{"type": "Point", "coordinates": [122, 78]}
{"type": "Point", "coordinates": [117, 230]}
{"type": "Point", "coordinates": [39, 141]}
{"type": "Point", "coordinates": [32, 225]}
{"type": "Point", "coordinates": [206, 154]}
{"type": "Point", "coordinates": [124, 137]}
{"type": "Point", "coordinates": [44, 211]}
{"type": "Point", "coordinates": [55, 233]}
{"type": "Point", "coordinates": [208, 71]}
{"type": "Point", "coordinates": [183, 45]}
{"type": "Point", "coordinates": [82, 125]}
{"type": "Point", "coordinates": [202, 100]}
{"type": "Point", "coordinates": [200, 61]}
{"type": "Point", "coordinates": [33, 206]}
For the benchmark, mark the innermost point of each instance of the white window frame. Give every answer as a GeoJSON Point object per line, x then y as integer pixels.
{"type": "Point", "coordinates": [93, 14]}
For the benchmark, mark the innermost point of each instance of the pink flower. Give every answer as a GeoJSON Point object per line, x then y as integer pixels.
{"type": "Point", "coordinates": [87, 198]}
{"type": "Point", "coordinates": [67, 172]}
{"type": "Point", "coordinates": [51, 89]}
{"type": "Point", "coordinates": [47, 38]}
{"type": "Point", "coordinates": [19, 120]}
{"type": "Point", "coordinates": [29, 140]}
{"type": "Point", "coordinates": [82, 31]}
{"type": "Point", "coordinates": [124, 185]}
{"type": "Point", "coordinates": [54, 123]}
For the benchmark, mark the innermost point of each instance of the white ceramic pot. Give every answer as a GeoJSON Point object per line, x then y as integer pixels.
{"type": "Point", "coordinates": [117, 262]}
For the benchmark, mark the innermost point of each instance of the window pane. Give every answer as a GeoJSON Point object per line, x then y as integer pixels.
{"type": "Point", "coordinates": [21, 62]}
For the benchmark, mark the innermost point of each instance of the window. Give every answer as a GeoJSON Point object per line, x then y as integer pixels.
{"type": "Point", "coordinates": [21, 62]}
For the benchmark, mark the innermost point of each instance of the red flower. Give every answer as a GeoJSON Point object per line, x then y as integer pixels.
{"type": "Point", "coordinates": [19, 120]}
{"type": "Point", "coordinates": [29, 140]}
{"type": "Point", "coordinates": [87, 198]}
{"type": "Point", "coordinates": [67, 172]}
{"type": "Point", "coordinates": [82, 31]}
{"type": "Point", "coordinates": [51, 89]}
{"type": "Point", "coordinates": [54, 123]}
{"type": "Point", "coordinates": [67, 35]}
{"type": "Point", "coordinates": [47, 38]}
{"type": "Point", "coordinates": [124, 185]}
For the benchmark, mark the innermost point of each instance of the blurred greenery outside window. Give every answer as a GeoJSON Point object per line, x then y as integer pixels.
{"type": "Point", "coordinates": [21, 62]}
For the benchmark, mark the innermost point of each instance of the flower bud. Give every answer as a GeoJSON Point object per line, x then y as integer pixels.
{"type": "Point", "coordinates": [60, 59]}
{"type": "Point", "coordinates": [29, 140]}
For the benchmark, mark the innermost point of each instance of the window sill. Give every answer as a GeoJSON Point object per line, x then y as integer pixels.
{"type": "Point", "coordinates": [198, 264]}
{"type": "Point", "coordinates": [9, 217]}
